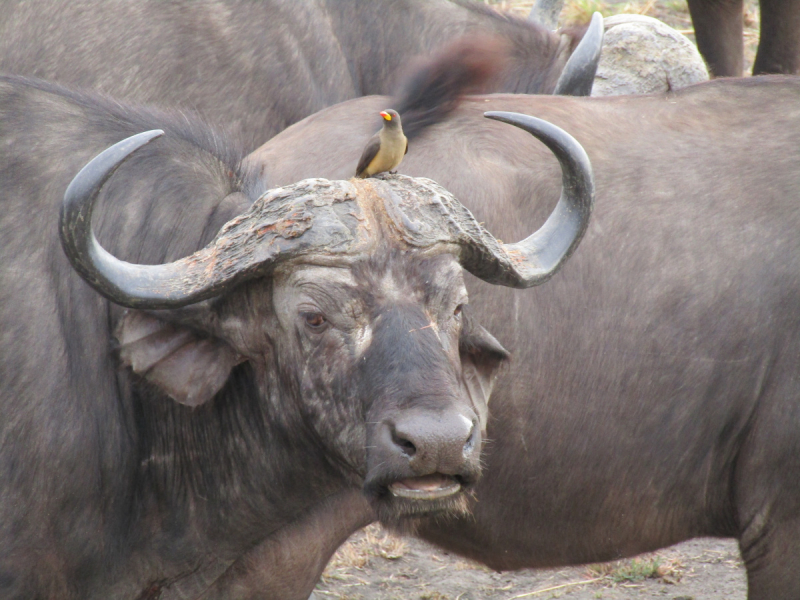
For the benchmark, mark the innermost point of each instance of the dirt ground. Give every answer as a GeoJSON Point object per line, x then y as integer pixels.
{"type": "Point", "coordinates": [375, 565]}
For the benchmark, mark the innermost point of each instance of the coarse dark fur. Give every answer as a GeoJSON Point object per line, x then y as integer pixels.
{"type": "Point", "coordinates": [254, 68]}
{"type": "Point", "coordinates": [652, 394]}
{"type": "Point", "coordinates": [718, 26]}
{"type": "Point", "coordinates": [108, 486]}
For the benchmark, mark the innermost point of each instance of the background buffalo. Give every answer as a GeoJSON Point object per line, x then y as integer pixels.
{"type": "Point", "coordinates": [651, 393]}
{"type": "Point", "coordinates": [718, 29]}
{"type": "Point", "coordinates": [253, 68]}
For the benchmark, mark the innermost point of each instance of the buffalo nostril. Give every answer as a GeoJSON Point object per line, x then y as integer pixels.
{"type": "Point", "coordinates": [473, 435]}
{"type": "Point", "coordinates": [407, 446]}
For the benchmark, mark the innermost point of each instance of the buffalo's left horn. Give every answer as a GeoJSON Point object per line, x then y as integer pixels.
{"type": "Point", "coordinates": [537, 258]}
{"type": "Point", "coordinates": [171, 285]}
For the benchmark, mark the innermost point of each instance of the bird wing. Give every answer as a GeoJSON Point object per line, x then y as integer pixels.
{"type": "Point", "coordinates": [406, 152]}
{"type": "Point", "coordinates": [370, 151]}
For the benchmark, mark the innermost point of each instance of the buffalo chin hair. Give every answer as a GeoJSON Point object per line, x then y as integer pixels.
{"type": "Point", "coordinates": [403, 516]}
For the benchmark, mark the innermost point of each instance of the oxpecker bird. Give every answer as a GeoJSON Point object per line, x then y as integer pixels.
{"type": "Point", "coordinates": [385, 149]}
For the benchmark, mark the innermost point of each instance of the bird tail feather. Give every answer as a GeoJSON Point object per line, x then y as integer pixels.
{"type": "Point", "coordinates": [433, 87]}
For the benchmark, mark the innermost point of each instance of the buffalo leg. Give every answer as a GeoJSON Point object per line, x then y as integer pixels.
{"type": "Point", "coordinates": [718, 28]}
{"type": "Point", "coordinates": [770, 537]}
{"type": "Point", "coordinates": [766, 490]}
{"type": "Point", "coordinates": [779, 42]}
{"type": "Point", "coordinates": [289, 563]}
{"type": "Point", "coordinates": [772, 559]}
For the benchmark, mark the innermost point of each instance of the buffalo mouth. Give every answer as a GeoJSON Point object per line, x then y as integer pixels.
{"type": "Point", "coordinates": [427, 487]}
{"type": "Point", "coordinates": [399, 502]}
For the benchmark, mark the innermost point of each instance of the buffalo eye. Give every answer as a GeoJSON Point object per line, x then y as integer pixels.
{"type": "Point", "coordinates": [314, 320]}
{"type": "Point", "coordinates": [457, 311]}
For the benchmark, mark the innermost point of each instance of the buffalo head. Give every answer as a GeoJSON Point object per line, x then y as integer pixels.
{"type": "Point", "coordinates": [347, 301]}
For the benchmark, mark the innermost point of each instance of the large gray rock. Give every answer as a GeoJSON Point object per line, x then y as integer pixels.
{"type": "Point", "coordinates": [642, 55]}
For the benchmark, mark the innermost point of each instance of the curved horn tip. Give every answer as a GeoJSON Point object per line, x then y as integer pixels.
{"type": "Point", "coordinates": [559, 141]}
{"type": "Point", "coordinates": [133, 143]}
{"type": "Point", "coordinates": [596, 28]}
{"type": "Point", "coordinates": [545, 250]}
{"type": "Point", "coordinates": [75, 216]}
{"type": "Point", "coordinates": [101, 166]}
{"type": "Point", "coordinates": [517, 119]}
{"type": "Point", "coordinates": [534, 125]}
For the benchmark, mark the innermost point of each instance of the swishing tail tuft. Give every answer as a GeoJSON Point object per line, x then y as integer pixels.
{"type": "Point", "coordinates": [433, 87]}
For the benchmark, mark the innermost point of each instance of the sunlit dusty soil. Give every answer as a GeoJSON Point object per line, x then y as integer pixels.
{"type": "Point", "coordinates": [375, 565]}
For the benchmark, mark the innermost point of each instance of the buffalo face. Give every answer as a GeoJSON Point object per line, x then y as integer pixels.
{"type": "Point", "coordinates": [374, 363]}
{"type": "Point", "coordinates": [375, 351]}
{"type": "Point", "coordinates": [348, 302]}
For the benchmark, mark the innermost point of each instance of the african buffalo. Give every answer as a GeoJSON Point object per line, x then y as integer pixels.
{"type": "Point", "coordinates": [718, 30]}
{"type": "Point", "coordinates": [652, 391]}
{"type": "Point", "coordinates": [223, 407]}
{"type": "Point", "coordinates": [253, 68]}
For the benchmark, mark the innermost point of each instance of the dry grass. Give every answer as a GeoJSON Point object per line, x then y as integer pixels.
{"type": "Point", "coordinates": [434, 596]}
{"type": "Point", "coordinates": [357, 552]}
{"type": "Point", "coordinates": [580, 11]}
{"type": "Point", "coordinates": [623, 572]}
{"type": "Point", "coordinates": [648, 566]}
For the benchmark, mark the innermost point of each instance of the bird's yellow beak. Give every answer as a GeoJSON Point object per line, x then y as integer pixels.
{"type": "Point", "coordinates": [386, 115]}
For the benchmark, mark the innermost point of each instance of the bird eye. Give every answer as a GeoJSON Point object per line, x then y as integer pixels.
{"type": "Point", "coordinates": [314, 320]}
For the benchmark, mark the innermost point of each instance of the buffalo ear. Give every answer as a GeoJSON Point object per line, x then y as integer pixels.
{"type": "Point", "coordinates": [186, 365]}
{"type": "Point", "coordinates": [481, 358]}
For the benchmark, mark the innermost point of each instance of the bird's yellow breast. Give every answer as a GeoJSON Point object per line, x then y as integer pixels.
{"type": "Point", "coordinates": [392, 150]}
